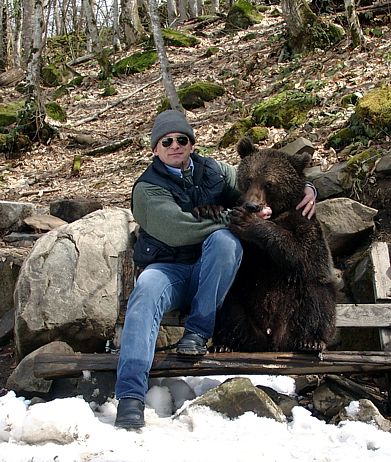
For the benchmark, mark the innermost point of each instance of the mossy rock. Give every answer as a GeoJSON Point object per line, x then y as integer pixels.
{"type": "Point", "coordinates": [13, 144]}
{"type": "Point", "coordinates": [175, 38]}
{"type": "Point", "coordinates": [55, 75]}
{"type": "Point", "coordinates": [9, 113]}
{"type": "Point", "coordinates": [235, 132]}
{"type": "Point", "coordinates": [63, 90]}
{"type": "Point", "coordinates": [350, 99]}
{"type": "Point", "coordinates": [242, 15]}
{"type": "Point", "coordinates": [341, 138]}
{"type": "Point", "coordinates": [373, 112]}
{"type": "Point", "coordinates": [194, 95]}
{"type": "Point", "coordinates": [363, 162]}
{"type": "Point", "coordinates": [56, 112]}
{"type": "Point", "coordinates": [257, 134]}
{"type": "Point", "coordinates": [285, 110]}
{"type": "Point", "coordinates": [135, 63]}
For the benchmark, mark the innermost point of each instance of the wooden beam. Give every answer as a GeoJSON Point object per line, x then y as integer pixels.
{"type": "Point", "coordinates": [348, 315]}
{"type": "Point", "coordinates": [364, 315]}
{"type": "Point", "coordinates": [173, 365]}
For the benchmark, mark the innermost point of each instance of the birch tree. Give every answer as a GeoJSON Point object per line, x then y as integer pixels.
{"type": "Point", "coordinates": [130, 22]}
{"type": "Point", "coordinates": [3, 36]}
{"type": "Point", "coordinates": [116, 40]}
{"type": "Point", "coordinates": [305, 30]}
{"type": "Point", "coordinates": [100, 54]}
{"type": "Point", "coordinates": [356, 33]}
{"type": "Point", "coordinates": [161, 51]}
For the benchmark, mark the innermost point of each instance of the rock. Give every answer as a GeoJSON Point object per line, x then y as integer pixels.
{"type": "Point", "coordinates": [363, 411]}
{"type": "Point", "coordinates": [328, 183]}
{"type": "Point", "coordinates": [68, 287]}
{"type": "Point", "coordinates": [7, 322]}
{"type": "Point", "coordinates": [299, 146]}
{"type": "Point", "coordinates": [22, 237]}
{"type": "Point", "coordinates": [12, 214]}
{"type": "Point", "coordinates": [329, 402]}
{"type": "Point", "coordinates": [44, 222]}
{"type": "Point", "coordinates": [23, 381]}
{"type": "Point", "coordinates": [236, 396]}
{"type": "Point", "coordinates": [345, 223]}
{"type": "Point", "coordinates": [284, 402]}
{"type": "Point", "coordinates": [11, 261]}
{"type": "Point", "coordinates": [71, 210]}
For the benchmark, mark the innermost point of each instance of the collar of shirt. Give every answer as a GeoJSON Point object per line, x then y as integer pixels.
{"type": "Point", "coordinates": [178, 171]}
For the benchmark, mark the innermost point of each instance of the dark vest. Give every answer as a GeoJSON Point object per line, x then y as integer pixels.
{"type": "Point", "coordinates": [208, 187]}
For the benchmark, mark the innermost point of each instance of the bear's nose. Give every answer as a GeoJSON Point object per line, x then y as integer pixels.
{"type": "Point", "coordinates": [252, 207]}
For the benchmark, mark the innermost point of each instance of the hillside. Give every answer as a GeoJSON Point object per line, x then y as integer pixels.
{"type": "Point", "coordinates": [248, 66]}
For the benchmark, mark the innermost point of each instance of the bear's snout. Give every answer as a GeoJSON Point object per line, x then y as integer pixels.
{"type": "Point", "coordinates": [252, 207]}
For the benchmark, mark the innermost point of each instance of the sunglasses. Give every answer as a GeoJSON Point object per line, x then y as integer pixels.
{"type": "Point", "coordinates": [182, 140]}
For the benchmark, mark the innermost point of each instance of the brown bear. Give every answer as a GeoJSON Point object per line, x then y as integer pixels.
{"type": "Point", "coordinates": [283, 298]}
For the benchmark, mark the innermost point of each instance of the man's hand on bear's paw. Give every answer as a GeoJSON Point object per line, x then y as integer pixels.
{"type": "Point", "coordinates": [208, 211]}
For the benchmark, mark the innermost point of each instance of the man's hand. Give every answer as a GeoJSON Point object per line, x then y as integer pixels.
{"type": "Point", "coordinates": [208, 211]}
{"type": "Point", "coordinates": [307, 203]}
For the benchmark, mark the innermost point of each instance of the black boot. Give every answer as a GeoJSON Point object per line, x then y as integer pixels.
{"type": "Point", "coordinates": [191, 344]}
{"type": "Point", "coordinates": [130, 413]}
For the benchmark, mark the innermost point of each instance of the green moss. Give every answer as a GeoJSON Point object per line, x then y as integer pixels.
{"type": "Point", "coordinates": [366, 157]}
{"type": "Point", "coordinates": [137, 62]}
{"type": "Point", "coordinates": [340, 138]}
{"type": "Point", "coordinates": [349, 100]}
{"type": "Point", "coordinates": [178, 39]}
{"type": "Point", "coordinates": [56, 112]}
{"type": "Point", "coordinates": [54, 75]}
{"type": "Point", "coordinates": [64, 89]}
{"type": "Point", "coordinates": [257, 134]}
{"type": "Point", "coordinates": [235, 132]}
{"type": "Point", "coordinates": [242, 15]}
{"type": "Point", "coordinates": [9, 113]}
{"type": "Point", "coordinates": [285, 110]}
{"type": "Point", "coordinates": [210, 52]}
{"type": "Point", "coordinates": [373, 112]}
{"type": "Point", "coordinates": [194, 95]}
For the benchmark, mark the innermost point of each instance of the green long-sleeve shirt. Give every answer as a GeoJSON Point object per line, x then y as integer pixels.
{"type": "Point", "coordinates": [155, 210]}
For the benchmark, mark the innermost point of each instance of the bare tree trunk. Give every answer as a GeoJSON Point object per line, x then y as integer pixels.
{"type": "Point", "coordinates": [130, 22]}
{"type": "Point", "coordinates": [3, 36]}
{"type": "Point", "coordinates": [193, 8]}
{"type": "Point", "coordinates": [356, 33]}
{"type": "Point", "coordinates": [27, 27]}
{"type": "Point", "coordinates": [305, 30]}
{"type": "Point", "coordinates": [171, 12]}
{"type": "Point", "coordinates": [17, 55]}
{"type": "Point", "coordinates": [100, 54]}
{"type": "Point", "coordinates": [33, 117]}
{"type": "Point", "coordinates": [116, 40]}
{"type": "Point", "coordinates": [182, 8]}
{"type": "Point", "coordinates": [161, 51]}
{"type": "Point", "coordinates": [215, 6]}
{"type": "Point", "coordinates": [57, 17]}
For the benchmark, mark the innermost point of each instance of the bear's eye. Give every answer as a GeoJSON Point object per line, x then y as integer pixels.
{"type": "Point", "coordinates": [247, 183]}
{"type": "Point", "coordinates": [268, 186]}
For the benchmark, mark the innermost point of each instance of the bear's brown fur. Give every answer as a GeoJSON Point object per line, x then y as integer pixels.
{"type": "Point", "coordinates": [283, 298]}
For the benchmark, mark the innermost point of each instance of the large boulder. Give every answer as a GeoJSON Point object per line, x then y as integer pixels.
{"type": "Point", "coordinates": [69, 286]}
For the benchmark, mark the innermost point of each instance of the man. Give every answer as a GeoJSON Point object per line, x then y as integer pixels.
{"type": "Point", "coordinates": [186, 261]}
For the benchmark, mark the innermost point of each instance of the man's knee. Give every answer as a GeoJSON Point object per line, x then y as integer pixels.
{"type": "Point", "coordinates": [225, 243]}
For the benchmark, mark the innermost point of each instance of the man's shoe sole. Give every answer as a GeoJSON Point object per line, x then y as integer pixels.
{"type": "Point", "coordinates": [129, 425]}
{"type": "Point", "coordinates": [191, 352]}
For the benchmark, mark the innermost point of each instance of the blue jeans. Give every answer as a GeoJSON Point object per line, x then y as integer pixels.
{"type": "Point", "coordinates": [163, 287]}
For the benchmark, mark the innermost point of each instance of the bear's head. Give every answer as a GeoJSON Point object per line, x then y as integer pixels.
{"type": "Point", "coordinates": [268, 177]}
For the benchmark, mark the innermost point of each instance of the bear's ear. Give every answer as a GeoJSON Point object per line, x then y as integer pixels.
{"type": "Point", "coordinates": [245, 148]}
{"type": "Point", "coordinates": [300, 161]}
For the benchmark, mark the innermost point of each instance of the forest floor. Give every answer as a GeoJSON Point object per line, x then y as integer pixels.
{"type": "Point", "coordinates": [247, 65]}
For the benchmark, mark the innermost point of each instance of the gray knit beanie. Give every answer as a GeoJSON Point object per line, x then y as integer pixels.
{"type": "Point", "coordinates": [170, 121]}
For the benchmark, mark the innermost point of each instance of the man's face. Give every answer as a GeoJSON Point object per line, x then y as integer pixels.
{"type": "Point", "coordinates": [174, 149]}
